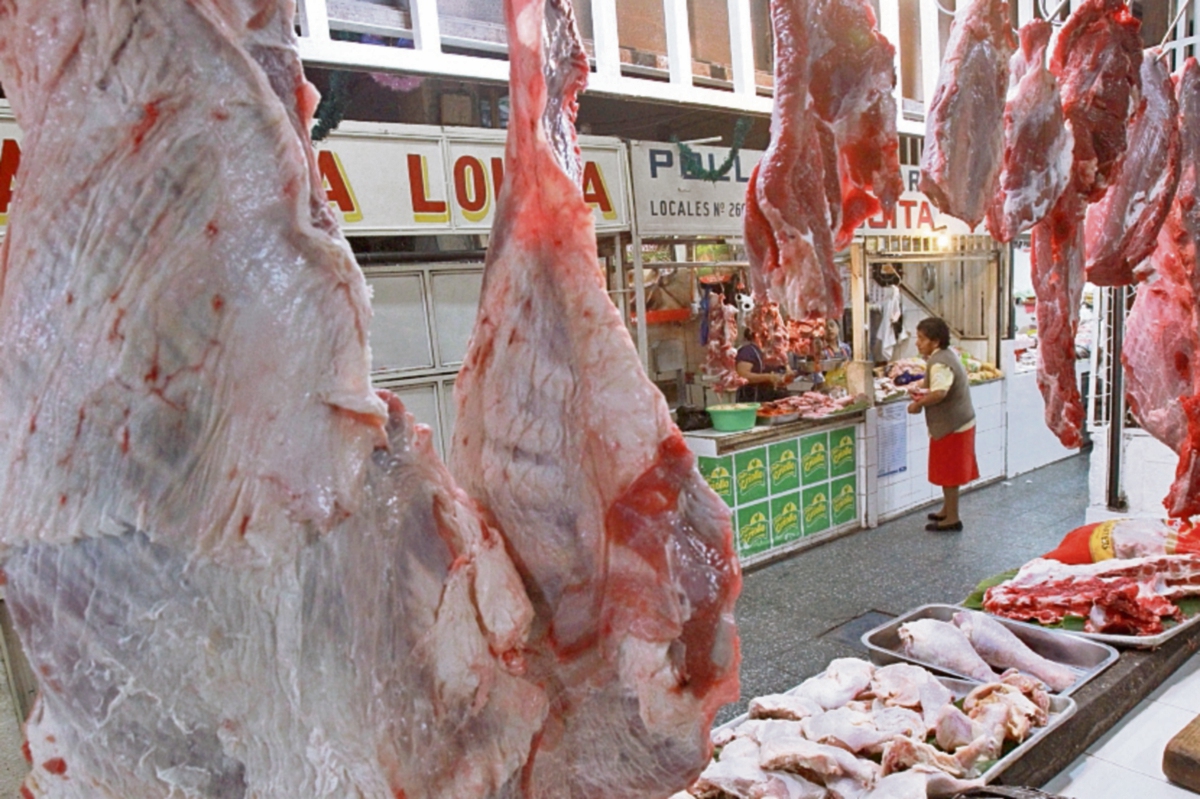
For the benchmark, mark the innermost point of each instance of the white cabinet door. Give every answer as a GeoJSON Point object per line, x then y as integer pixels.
{"type": "Point", "coordinates": [455, 304]}
{"type": "Point", "coordinates": [400, 336]}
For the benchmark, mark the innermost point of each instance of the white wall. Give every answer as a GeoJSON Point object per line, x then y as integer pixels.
{"type": "Point", "coordinates": [1147, 471]}
{"type": "Point", "coordinates": [1030, 443]}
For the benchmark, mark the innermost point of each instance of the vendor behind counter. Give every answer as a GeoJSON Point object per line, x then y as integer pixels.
{"type": "Point", "coordinates": [763, 383]}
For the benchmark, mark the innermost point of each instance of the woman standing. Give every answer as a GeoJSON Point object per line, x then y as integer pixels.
{"type": "Point", "coordinates": [945, 396]}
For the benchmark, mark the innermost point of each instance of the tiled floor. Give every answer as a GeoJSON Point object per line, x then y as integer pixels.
{"type": "Point", "coordinates": [789, 610]}
{"type": "Point", "coordinates": [1126, 763]}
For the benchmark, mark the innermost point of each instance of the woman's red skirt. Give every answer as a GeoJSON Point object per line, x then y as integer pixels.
{"type": "Point", "coordinates": [952, 459]}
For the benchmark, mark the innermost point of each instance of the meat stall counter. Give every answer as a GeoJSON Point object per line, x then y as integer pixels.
{"type": "Point", "coordinates": [789, 484]}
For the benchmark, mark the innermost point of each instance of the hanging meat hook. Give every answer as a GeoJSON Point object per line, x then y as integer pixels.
{"type": "Point", "coordinates": [1171, 28]}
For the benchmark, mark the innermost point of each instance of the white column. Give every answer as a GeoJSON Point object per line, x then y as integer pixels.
{"type": "Point", "coordinates": [315, 20]}
{"type": "Point", "coordinates": [741, 46]}
{"type": "Point", "coordinates": [931, 50]}
{"type": "Point", "coordinates": [605, 38]}
{"type": "Point", "coordinates": [889, 26]}
{"type": "Point", "coordinates": [679, 42]}
{"type": "Point", "coordinates": [1024, 11]}
{"type": "Point", "coordinates": [427, 34]}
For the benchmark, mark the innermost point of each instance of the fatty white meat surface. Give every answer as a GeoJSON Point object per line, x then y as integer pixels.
{"type": "Point", "coordinates": [570, 450]}
{"type": "Point", "coordinates": [238, 570]}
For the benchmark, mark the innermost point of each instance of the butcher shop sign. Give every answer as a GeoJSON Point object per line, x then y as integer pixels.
{"type": "Point", "coordinates": [387, 179]}
{"type": "Point", "coordinates": [672, 198]}
{"type": "Point", "coordinates": [10, 159]}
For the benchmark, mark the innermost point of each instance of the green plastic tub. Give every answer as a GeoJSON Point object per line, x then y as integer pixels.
{"type": "Point", "coordinates": [734, 417]}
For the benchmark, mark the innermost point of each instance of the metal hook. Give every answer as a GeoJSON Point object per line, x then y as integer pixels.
{"type": "Point", "coordinates": [1052, 18]}
{"type": "Point", "coordinates": [1171, 28]}
{"type": "Point", "coordinates": [942, 8]}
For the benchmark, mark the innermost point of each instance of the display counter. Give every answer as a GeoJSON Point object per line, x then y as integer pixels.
{"type": "Point", "coordinates": [787, 484]}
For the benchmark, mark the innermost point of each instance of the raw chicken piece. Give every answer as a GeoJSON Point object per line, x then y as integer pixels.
{"type": "Point", "coordinates": [944, 645]}
{"type": "Point", "coordinates": [783, 748]}
{"type": "Point", "coordinates": [1096, 59]}
{"type": "Point", "coordinates": [964, 123]}
{"type": "Point", "coordinates": [1022, 713]}
{"type": "Point", "coordinates": [625, 550]}
{"type": "Point", "coordinates": [788, 237]}
{"type": "Point", "coordinates": [939, 784]}
{"type": "Point", "coordinates": [747, 729]}
{"type": "Point", "coordinates": [1162, 333]}
{"type": "Point", "coordinates": [955, 728]}
{"type": "Point", "coordinates": [783, 706]}
{"type": "Point", "coordinates": [842, 680]}
{"type": "Point", "coordinates": [852, 81]}
{"type": "Point", "coordinates": [863, 731]}
{"type": "Point", "coordinates": [850, 729]}
{"type": "Point", "coordinates": [1032, 687]}
{"type": "Point", "coordinates": [903, 753]}
{"type": "Point", "coordinates": [732, 773]}
{"type": "Point", "coordinates": [236, 570]}
{"type": "Point", "coordinates": [1121, 229]}
{"type": "Point", "coordinates": [1038, 145]}
{"type": "Point", "coordinates": [1000, 648]}
{"type": "Point", "coordinates": [910, 686]}
{"type": "Point", "coordinates": [901, 785]}
{"type": "Point", "coordinates": [1056, 256]}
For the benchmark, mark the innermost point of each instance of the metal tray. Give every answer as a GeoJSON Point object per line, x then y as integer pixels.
{"type": "Point", "coordinates": [779, 418]}
{"type": "Point", "coordinates": [1085, 658]}
{"type": "Point", "coordinates": [1129, 641]}
{"type": "Point", "coordinates": [1061, 709]}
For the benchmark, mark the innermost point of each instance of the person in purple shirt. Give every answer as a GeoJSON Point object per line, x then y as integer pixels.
{"type": "Point", "coordinates": [763, 383]}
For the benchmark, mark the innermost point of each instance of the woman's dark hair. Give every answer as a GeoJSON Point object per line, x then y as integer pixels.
{"type": "Point", "coordinates": [935, 329]}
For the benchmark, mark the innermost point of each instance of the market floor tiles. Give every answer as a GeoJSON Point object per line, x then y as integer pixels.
{"type": "Point", "coordinates": [789, 609]}
{"type": "Point", "coordinates": [1127, 760]}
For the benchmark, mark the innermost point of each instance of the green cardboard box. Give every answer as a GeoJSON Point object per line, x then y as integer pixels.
{"type": "Point", "coordinates": [750, 471]}
{"type": "Point", "coordinates": [815, 509]}
{"type": "Point", "coordinates": [718, 473]}
{"type": "Point", "coordinates": [843, 452]}
{"type": "Point", "coordinates": [785, 518]}
{"type": "Point", "coordinates": [814, 459]}
{"type": "Point", "coordinates": [784, 462]}
{"type": "Point", "coordinates": [753, 528]}
{"type": "Point", "coordinates": [843, 503]}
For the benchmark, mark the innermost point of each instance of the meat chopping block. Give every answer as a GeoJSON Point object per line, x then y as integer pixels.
{"type": "Point", "coordinates": [1181, 758]}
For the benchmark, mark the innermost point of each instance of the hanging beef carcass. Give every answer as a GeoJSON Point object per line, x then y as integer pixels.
{"type": "Point", "coordinates": [1096, 62]}
{"type": "Point", "coordinates": [236, 570]}
{"type": "Point", "coordinates": [769, 332]}
{"type": "Point", "coordinates": [570, 450]}
{"type": "Point", "coordinates": [1037, 140]}
{"type": "Point", "coordinates": [852, 77]}
{"type": "Point", "coordinates": [964, 123]}
{"type": "Point", "coordinates": [1057, 269]}
{"type": "Point", "coordinates": [720, 359]}
{"type": "Point", "coordinates": [787, 224]}
{"type": "Point", "coordinates": [1121, 228]}
{"type": "Point", "coordinates": [1162, 335]}
{"type": "Point", "coordinates": [1097, 59]}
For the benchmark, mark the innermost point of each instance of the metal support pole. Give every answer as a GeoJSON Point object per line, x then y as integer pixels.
{"type": "Point", "coordinates": [1116, 401]}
